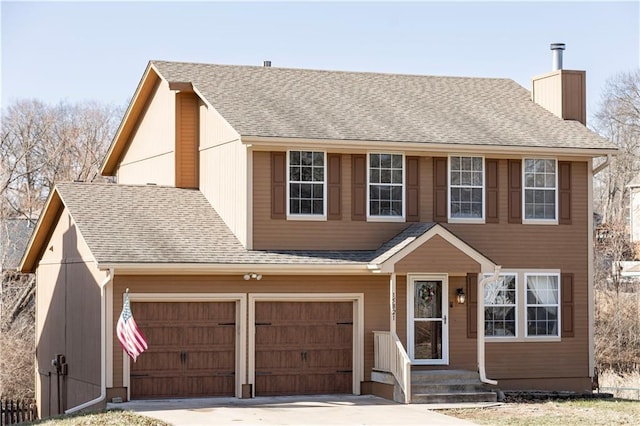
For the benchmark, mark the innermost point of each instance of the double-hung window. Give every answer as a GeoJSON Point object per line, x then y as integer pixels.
{"type": "Point", "coordinates": [386, 185]}
{"type": "Point", "coordinates": [522, 305]}
{"type": "Point", "coordinates": [306, 184]}
{"type": "Point", "coordinates": [543, 305]}
{"type": "Point", "coordinates": [466, 188]}
{"type": "Point", "coordinates": [540, 189]}
{"type": "Point", "coordinates": [500, 307]}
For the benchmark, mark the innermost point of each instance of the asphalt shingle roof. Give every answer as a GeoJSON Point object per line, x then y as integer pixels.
{"type": "Point", "coordinates": [157, 224]}
{"type": "Point", "coordinates": [356, 106]}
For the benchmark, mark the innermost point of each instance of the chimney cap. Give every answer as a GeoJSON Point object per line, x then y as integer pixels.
{"type": "Point", "coordinates": [558, 46]}
{"type": "Point", "coordinates": [266, 64]}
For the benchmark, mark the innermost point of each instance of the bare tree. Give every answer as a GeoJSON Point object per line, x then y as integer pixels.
{"type": "Point", "coordinates": [617, 301]}
{"type": "Point", "coordinates": [40, 145]}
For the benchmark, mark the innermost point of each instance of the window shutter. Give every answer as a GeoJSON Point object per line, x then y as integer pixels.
{"type": "Point", "coordinates": [278, 185]}
{"type": "Point", "coordinates": [440, 189]}
{"type": "Point", "coordinates": [492, 191]}
{"type": "Point", "coordinates": [564, 196]}
{"type": "Point", "coordinates": [515, 191]}
{"type": "Point", "coordinates": [413, 189]}
{"type": "Point", "coordinates": [358, 187]}
{"type": "Point", "coordinates": [334, 186]}
{"type": "Point", "coordinates": [472, 306]}
{"type": "Point", "coordinates": [566, 286]}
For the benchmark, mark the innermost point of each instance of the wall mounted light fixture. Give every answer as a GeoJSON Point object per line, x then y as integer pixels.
{"type": "Point", "coordinates": [253, 275]}
{"type": "Point", "coordinates": [460, 296]}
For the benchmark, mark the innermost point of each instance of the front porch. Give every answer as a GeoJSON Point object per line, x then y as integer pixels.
{"type": "Point", "coordinates": [397, 380]}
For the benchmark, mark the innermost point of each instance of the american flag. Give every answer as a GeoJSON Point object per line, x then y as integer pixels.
{"type": "Point", "coordinates": [129, 335]}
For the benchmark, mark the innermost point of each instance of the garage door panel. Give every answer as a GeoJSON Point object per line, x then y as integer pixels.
{"type": "Point", "coordinates": [303, 347]}
{"type": "Point", "coordinates": [191, 350]}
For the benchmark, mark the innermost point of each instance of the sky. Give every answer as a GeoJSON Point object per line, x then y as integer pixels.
{"type": "Point", "coordinates": [76, 51]}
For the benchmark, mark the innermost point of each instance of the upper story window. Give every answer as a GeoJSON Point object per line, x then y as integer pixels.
{"type": "Point", "coordinates": [466, 188]}
{"type": "Point", "coordinates": [306, 183]}
{"type": "Point", "coordinates": [540, 189]}
{"type": "Point", "coordinates": [386, 185]}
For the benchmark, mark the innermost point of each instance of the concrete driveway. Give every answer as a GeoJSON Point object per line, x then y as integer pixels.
{"type": "Point", "coordinates": [289, 410]}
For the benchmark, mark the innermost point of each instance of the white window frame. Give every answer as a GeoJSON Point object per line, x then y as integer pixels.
{"type": "Point", "coordinates": [521, 306]}
{"type": "Point", "coordinates": [558, 305]}
{"type": "Point", "coordinates": [378, 218]}
{"type": "Point", "coordinates": [453, 219]}
{"type": "Point", "coordinates": [515, 306]}
{"type": "Point", "coordinates": [535, 221]}
{"type": "Point", "coordinates": [305, 216]}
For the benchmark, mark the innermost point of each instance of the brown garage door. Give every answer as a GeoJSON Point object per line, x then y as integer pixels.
{"type": "Point", "coordinates": [191, 350]}
{"type": "Point", "coordinates": [303, 348]}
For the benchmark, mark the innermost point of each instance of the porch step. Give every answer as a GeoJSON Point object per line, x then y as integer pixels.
{"type": "Point", "coordinates": [448, 386]}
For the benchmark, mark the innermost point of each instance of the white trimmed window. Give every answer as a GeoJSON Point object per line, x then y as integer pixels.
{"type": "Point", "coordinates": [306, 183]}
{"type": "Point", "coordinates": [500, 307]}
{"type": "Point", "coordinates": [543, 305]}
{"type": "Point", "coordinates": [540, 189]}
{"type": "Point", "coordinates": [466, 188]}
{"type": "Point", "coordinates": [386, 185]}
{"type": "Point", "coordinates": [522, 305]}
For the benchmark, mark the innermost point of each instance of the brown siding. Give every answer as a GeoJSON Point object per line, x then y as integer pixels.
{"type": "Point", "coordinates": [334, 186]}
{"type": "Point", "coordinates": [437, 255]}
{"type": "Point", "coordinates": [318, 235]}
{"type": "Point", "coordinates": [278, 185]}
{"type": "Point", "coordinates": [440, 189]}
{"type": "Point", "coordinates": [374, 288]}
{"type": "Point", "coordinates": [187, 140]}
{"type": "Point", "coordinates": [413, 189]}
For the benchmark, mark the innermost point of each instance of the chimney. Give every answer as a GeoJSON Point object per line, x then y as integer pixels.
{"type": "Point", "coordinates": [561, 91]}
{"type": "Point", "coordinates": [266, 64]}
{"type": "Point", "coordinates": [557, 49]}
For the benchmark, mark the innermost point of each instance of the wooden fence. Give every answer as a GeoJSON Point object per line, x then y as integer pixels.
{"type": "Point", "coordinates": [18, 411]}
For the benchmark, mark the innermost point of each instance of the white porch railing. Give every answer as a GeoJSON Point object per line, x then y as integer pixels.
{"type": "Point", "coordinates": [389, 356]}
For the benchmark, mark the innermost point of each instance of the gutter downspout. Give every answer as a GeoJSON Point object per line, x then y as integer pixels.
{"type": "Point", "coordinates": [103, 347]}
{"type": "Point", "coordinates": [599, 168]}
{"type": "Point", "coordinates": [480, 325]}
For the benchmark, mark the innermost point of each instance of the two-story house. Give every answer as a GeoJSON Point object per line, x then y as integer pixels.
{"type": "Point", "coordinates": [291, 231]}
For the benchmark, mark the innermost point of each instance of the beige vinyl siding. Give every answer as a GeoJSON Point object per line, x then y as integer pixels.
{"type": "Point", "coordinates": [374, 288]}
{"type": "Point", "coordinates": [321, 235]}
{"type": "Point", "coordinates": [223, 171]}
{"type": "Point", "coordinates": [150, 152]}
{"type": "Point", "coordinates": [563, 93]}
{"type": "Point", "coordinates": [67, 318]}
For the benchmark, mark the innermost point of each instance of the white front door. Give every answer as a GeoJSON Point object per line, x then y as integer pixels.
{"type": "Point", "coordinates": [428, 319]}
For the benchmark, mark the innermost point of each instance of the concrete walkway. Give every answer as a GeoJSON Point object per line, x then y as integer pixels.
{"type": "Point", "coordinates": [289, 410]}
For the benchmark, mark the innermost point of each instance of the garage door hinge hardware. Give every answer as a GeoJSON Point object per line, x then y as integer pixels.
{"type": "Point", "coordinates": [344, 371]}
{"type": "Point", "coordinates": [345, 323]}
{"type": "Point", "coordinates": [226, 323]}
{"type": "Point", "coordinates": [263, 323]}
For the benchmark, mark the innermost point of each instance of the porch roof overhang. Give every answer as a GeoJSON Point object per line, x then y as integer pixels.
{"type": "Point", "coordinates": [415, 237]}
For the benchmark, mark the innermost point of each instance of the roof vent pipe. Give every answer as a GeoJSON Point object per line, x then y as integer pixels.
{"type": "Point", "coordinates": [557, 49]}
{"type": "Point", "coordinates": [267, 64]}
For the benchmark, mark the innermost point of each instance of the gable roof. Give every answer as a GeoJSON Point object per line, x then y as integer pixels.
{"type": "Point", "coordinates": [272, 102]}
{"type": "Point", "coordinates": [137, 225]}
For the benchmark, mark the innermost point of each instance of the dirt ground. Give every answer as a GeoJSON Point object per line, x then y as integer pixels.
{"type": "Point", "coordinates": [575, 412]}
